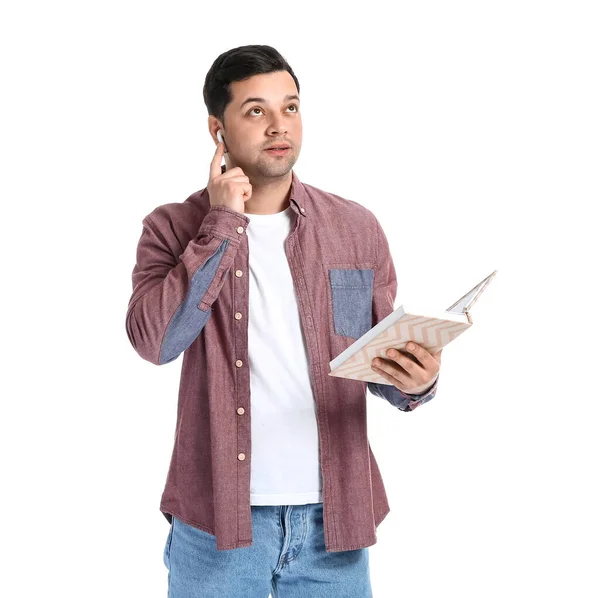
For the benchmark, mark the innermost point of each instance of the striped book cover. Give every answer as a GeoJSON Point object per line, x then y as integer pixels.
{"type": "Point", "coordinates": [433, 331]}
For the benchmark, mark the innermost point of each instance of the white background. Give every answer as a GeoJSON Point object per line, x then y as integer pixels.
{"type": "Point", "coordinates": [471, 129]}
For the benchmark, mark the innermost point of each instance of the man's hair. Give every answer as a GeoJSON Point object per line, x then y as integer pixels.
{"type": "Point", "coordinates": [238, 64]}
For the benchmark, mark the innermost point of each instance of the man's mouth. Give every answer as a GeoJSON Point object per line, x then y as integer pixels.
{"type": "Point", "coordinates": [278, 151]}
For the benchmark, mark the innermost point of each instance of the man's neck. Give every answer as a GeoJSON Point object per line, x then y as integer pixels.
{"type": "Point", "coordinates": [270, 196]}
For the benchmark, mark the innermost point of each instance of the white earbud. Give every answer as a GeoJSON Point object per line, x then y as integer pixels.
{"type": "Point", "coordinates": [220, 138]}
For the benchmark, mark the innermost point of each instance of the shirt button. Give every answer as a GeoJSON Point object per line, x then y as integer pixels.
{"type": "Point", "coordinates": [241, 456]}
{"type": "Point", "coordinates": [238, 315]}
{"type": "Point", "coordinates": [302, 210]}
{"type": "Point", "coordinates": [240, 229]}
{"type": "Point", "coordinates": [239, 363]}
{"type": "Point", "coordinates": [241, 410]}
{"type": "Point", "coordinates": [238, 273]}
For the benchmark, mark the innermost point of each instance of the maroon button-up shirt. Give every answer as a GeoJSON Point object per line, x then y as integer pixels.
{"type": "Point", "coordinates": [190, 285]}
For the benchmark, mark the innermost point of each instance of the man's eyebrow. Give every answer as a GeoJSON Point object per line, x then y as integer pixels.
{"type": "Point", "coordinates": [286, 99]}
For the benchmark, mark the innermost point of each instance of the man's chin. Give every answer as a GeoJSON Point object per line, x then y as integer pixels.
{"type": "Point", "coordinates": [274, 170]}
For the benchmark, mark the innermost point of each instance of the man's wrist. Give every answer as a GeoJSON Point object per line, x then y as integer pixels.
{"type": "Point", "coordinates": [419, 390]}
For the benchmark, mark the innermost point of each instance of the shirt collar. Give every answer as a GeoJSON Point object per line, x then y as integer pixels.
{"type": "Point", "coordinates": [298, 196]}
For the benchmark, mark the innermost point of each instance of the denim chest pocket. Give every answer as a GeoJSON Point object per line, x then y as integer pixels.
{"type": "Point", "coordinates": [352, 300]}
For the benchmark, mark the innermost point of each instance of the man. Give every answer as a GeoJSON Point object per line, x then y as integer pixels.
{"type": "Point", "coordinates": [260, 280]}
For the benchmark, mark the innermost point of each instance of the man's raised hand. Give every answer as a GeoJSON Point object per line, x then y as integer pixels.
{"type": "Point", "coordinates": [231, 188]}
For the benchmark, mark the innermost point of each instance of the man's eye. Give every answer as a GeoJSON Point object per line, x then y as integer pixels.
{"type": "Point", "coordinates": [290, 106]}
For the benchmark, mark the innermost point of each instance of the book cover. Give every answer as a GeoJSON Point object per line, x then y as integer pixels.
{"type": "Point", "coordinates": [431, 330]}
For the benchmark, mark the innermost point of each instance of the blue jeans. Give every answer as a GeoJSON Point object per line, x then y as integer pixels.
{"type": "Point", "coordinates": [287, 559]}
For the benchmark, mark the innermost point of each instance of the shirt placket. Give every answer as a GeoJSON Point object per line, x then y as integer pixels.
{"type": "Point", "coordinates": [294, 257]}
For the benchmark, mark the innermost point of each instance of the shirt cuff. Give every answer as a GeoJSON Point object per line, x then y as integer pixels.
{"type": "Point", "coordinates": [422, 393]}
{"type": "Point", "coordinates": [414, 400]}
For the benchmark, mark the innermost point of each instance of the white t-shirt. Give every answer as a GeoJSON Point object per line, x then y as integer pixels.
{"type": "Point", "coordinates": [285, 464]}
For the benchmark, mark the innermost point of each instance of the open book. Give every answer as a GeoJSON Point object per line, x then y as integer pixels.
{"type": "Point", "coordinates": [430, 330]}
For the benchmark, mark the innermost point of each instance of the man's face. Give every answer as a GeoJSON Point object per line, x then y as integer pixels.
{"type": "Point", "coordinates": [252, 125]}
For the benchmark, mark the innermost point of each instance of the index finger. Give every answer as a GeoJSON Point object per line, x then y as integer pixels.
{"type": "Point", "coordinates": [215, 165]}
{"type": "Point", "coordinates": [422, 354]}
